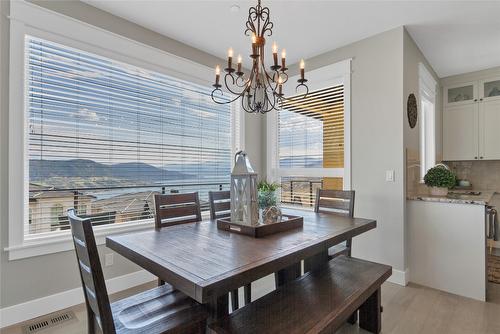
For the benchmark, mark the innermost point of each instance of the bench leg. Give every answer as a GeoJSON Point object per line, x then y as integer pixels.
{"type": "Point", "coordinates": [370, 313]}
{"type": "Point", "coordinates": [287, 274]}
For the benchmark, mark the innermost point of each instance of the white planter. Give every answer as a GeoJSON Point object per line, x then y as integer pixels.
{"type": "Point", "coordinates": [438, 191]}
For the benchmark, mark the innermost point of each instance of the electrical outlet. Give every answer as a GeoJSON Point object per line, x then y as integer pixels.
{"type": "Point", "coordinates": [108, 260]}
{"type": "Point", "coordinates": [389, 175]}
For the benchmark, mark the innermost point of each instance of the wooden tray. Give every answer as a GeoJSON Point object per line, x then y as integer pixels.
{"type": "Point", "coordinates": [288, 222]}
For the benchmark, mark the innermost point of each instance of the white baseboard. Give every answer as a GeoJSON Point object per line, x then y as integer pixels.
{"type": "Point", "coordinates": [35, 308]}
{"type": "Point", "coordinates": [400, 277]}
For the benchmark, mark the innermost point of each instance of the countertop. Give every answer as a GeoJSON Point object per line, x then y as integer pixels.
{"type": "Point", "coordinates": [456, 196]}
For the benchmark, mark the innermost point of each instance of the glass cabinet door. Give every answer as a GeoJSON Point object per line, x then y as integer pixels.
{"type": "Point", "coordinates": [491, 89]}
{"type": "Point", "coordinates": [460, 94]}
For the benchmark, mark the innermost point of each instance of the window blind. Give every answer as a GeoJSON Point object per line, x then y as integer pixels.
{"type": "Point", "coordinates": [105, 136]}
{"type": "Point", "coordinates": [311, 130]}
{"type": "Point", "coordinates": [311, 135]}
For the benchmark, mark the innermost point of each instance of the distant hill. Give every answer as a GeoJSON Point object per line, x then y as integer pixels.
{"type": "Point", "coordinates": [81, 168]}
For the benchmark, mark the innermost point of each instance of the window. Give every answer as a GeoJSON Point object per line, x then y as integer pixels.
{"type": "Point", "coordinates": [427, 89]}
{"type": "Point", "coordinates": [104, 137]}
{"type": "Point", "coordinates": [312, 136]}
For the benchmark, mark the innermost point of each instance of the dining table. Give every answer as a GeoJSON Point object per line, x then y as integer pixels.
{"type": "Point", "coordinates": [206, 263]}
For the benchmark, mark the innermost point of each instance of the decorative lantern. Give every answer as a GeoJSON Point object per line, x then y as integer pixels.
{"type": "Point", "coordinates": [244, 204]}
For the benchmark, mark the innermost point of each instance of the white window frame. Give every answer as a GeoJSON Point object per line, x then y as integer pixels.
{"type": "Point", "coordinates": [32, 20]}
{"type": "Point", "coordinates": [427, 107]}
{"type": "Point", "coordinates": [324, 77]}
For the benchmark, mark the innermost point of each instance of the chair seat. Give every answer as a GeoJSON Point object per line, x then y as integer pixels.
{"type": "Point", "coordinates": [159, 310]}
{"type": "Point", "coordinates": [340, 249]}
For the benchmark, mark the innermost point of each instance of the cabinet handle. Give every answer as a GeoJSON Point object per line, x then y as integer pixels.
{"type": "Point", "coordinates": [475, 100]}
{"type": "Point", "coordinates": [480, 157]}
{"type": "Point", "coordinates": [475, 158]}
{"type": "Point", "coordinates": [480, 99]}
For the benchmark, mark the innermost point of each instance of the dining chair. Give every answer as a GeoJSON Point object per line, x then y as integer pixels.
{"type": "Point", "coordinates": [339, 202]}
{"type": "Point", "coordinates": [175, 209]}
{"type": "Point", "coordinates": [159, 310]}
{"type": "Point", "coordinates": [220, 207]}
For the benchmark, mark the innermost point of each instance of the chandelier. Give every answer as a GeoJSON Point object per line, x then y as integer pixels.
{"type": "Point", "coordinates": [262, 89]}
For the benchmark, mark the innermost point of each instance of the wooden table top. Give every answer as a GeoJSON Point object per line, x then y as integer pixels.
{"type": "Point", "coordinates": [205, 262]}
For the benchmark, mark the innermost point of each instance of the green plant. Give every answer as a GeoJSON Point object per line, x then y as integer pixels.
{"type": "Point", "coordinates": [267, 194]}
{"type": "Point", "coordinates": [267, 186]}
{"type": "Point", "coordinates": [439, 176]}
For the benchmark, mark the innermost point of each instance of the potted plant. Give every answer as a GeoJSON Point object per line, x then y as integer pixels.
{"type": "Point", "coordinates": [439, 179]}
{"type": "Point", "coordinates": [267, 194]}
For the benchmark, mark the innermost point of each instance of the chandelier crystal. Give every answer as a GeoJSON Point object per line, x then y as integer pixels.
{"type": "Point", "coordinates": [262, 89]}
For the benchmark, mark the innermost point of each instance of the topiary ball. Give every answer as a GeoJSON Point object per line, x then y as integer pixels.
{"type": "Point", "coordinates": [441, 177]}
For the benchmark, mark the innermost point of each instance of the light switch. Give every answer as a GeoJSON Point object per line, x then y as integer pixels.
{"type": "Point", "coordinates": [389, 175]}
{"type": "Point", "coordinates": [108, 259]}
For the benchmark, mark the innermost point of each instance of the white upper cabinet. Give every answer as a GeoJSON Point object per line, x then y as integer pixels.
{"type": "Point", "coordinates": [489, 115]}
{"type": "Point", "coordinates": [471, 121]}
{"type": "Point", "coordinates": [489, 89]}
{"type": "Point", "coordinates": [465, 93]}
{"type": "Point", "coordinates": [460, 132]}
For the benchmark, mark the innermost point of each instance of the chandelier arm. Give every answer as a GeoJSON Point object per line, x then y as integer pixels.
{"type": "Point", "coordinates": [272, 103]}
{"type": "Point", "coordinates": [252, 16]}
{"type": "Point", "coordinates": [267, 26]}
{"type": "Point", "coordinates": [228, 86]}
{"type": "Point", "coordinates": [222, 102]}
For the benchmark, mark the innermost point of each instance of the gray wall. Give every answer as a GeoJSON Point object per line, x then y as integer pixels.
{"type": "Point", "coordinates": [4, 103]}
{"type": "Point", "coordinates": [412, 57]}
{"type": "Point", "coordinates": [31, 278]}
{"type": "Point", "coordinates": [377, 140]}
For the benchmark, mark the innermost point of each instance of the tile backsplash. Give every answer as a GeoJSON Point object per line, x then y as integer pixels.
{"type": "Point", "coordinates": [484, 175]}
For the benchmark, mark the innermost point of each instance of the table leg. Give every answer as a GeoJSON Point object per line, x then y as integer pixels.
{"type": "Point", "coordinates": [287, 274]}
{"type": "Point", "coordinates": [315, 261]}
{"type": "Point", "coordinates": [370, 313]}
{"type": "Point", "coordinates": [218, 308]}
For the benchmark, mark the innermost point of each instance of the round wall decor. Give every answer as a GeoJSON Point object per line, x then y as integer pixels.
{"type": "Point", "coordinates": [411, 109]}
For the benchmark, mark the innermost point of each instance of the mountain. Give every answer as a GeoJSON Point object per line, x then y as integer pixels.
{"type": "Point", "coordinates": [81, 168]}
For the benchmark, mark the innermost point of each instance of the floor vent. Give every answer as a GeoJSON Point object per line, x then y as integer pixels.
{"type": "Point", "coordinates": [48, 322]}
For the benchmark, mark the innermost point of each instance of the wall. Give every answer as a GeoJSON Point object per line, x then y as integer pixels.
{"type": "Point", "coordinates": [377, 142]}
{"type": "Point", "coordinates": [483, 175]}
{"type": "Point", "coordinates": [412, 58]}
{"type": "Point", "coordinates": [4, 103]}
{"type": "Point", "coordinates": [31, 278]}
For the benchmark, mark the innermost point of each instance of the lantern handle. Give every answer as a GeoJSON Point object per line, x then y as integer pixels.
{"type": "Point", "coordinates": [236, 155]}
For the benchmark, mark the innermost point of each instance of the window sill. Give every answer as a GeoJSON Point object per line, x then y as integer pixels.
{"type": "Point", "coordinates": [61, 242]}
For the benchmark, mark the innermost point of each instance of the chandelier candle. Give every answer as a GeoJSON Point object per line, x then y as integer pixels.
{"type": "Point", "coordinates": [217, 76]}
{"type": "Point", "coordinates": [260, 90]}
{"type": "Point", "coordinates": [238, 72]}
{"type": "Point", "coordinates": [275, 54]}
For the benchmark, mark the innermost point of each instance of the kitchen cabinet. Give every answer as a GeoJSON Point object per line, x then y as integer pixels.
{"type": "Point", "coordinates": [447, 247]}
{"type": "Point", "coordinates": [489, 114]}
{"type": "Point", "coordinates": [471, 121]}
{"type": "Point", "coordinates": [460, 132]}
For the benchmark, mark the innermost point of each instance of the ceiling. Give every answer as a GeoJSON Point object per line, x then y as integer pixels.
{"type": "Point", "coordinates": [456, 37]}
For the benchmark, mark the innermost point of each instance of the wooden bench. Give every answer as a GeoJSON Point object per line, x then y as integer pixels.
{"type": "Point", "coordinates": [320, 301]}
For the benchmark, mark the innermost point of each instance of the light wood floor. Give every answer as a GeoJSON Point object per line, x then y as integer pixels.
{"type": "Point", "coordinates": [407, 310]}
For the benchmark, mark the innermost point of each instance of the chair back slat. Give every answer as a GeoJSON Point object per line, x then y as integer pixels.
{"type": "Point", "coordinates": [176, 209]}
{"type": "Point", "coordinates": [89, 266]}
{"type": "Point", "coordinates": [220, 204]}
{"type": "Point", "coordinates": [335, 201]}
